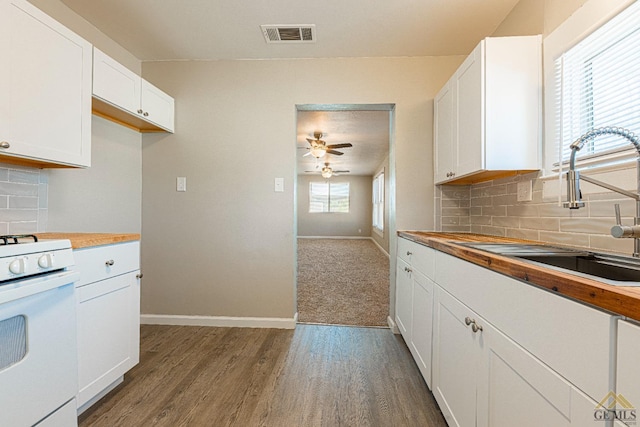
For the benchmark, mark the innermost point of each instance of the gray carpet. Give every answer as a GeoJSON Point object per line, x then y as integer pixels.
{"type": "Point", "coordinates": [342, 282]}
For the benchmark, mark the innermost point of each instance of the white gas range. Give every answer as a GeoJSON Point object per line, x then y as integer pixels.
{"type": "Point", "coordinates": [38, 350]}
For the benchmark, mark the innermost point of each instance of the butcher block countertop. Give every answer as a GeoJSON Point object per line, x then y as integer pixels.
{"type": "Point", "coordinates": [623, 300]}
{"type": "Point", "coordinates": [86, 240]}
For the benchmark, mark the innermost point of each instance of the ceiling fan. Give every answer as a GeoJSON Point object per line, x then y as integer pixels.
{"type": "Point", "coordinates": [328, 172]}
{"type": "Point", "coordinates": [318, 148]}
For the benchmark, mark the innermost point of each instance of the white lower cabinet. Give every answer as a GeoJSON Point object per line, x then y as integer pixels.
{"type": "Point", "coordinates": [499, 352]}
{"type": "Point", "coordinates": [422, 323]}
{"type": "Point", "coordinates": [108, 317]}
{"type": "Point", "coordinates": [414, 302]}
{"type": "Point", "coordinates": [627, 396]}
{"type": "Point", "coordinates": [483, 378]}
{"type": "Point", "coordinates": [404, 297]}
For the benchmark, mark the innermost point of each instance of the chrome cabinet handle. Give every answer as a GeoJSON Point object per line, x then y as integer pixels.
{"type": "Point", "coordinates": [475, 327]}
{"type": "Point", "coordinates": [140, 111]}
{"type": "Point", "coordinates": [4, 144]}
{"type": "Point", "coordinates": [145, 114]}
{"type": "Point", "coordinates": [109, 263]}
{"type": "Point", "coordinates": [469, 321]}
{"type": "Point", "coordinates": [408, 270]}
{"type": "Point", "coordinates": [409, 253]}
{"type": "Point", "coordinates": [139, 276]}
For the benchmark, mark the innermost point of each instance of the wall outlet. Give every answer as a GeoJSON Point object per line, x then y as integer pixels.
{"type": "Point", "coordinates": [181, 183]}
{"type": "Point", "coordinates": [525, 190]}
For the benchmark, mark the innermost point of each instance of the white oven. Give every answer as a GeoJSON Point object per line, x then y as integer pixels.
{"type": "Point", "coordinates": [38, 352]}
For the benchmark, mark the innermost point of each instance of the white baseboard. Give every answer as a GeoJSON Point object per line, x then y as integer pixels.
{"type": "Point", "coordinates": [380, 247]}
{"type": "Point", "coordinates": [220, 321]}
{"type": "Point", "coordinates": [335, 237]}
{"type": "Point", "coordinates": [348, 238]}
{"type": "Point", "coordinates": [392, 325]}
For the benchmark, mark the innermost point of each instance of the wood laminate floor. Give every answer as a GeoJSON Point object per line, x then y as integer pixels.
{"type": "Point", "coordinates": [313, 376]}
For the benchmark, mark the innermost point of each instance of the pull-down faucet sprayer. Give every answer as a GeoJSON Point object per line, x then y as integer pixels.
{"type": "Point", "coordinates": [573, 183]}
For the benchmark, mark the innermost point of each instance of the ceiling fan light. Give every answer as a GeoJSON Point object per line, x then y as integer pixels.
{"type": "Point", "coordinates": [318, 152]}
{"type": "Point", "coordinates": [326, 173]}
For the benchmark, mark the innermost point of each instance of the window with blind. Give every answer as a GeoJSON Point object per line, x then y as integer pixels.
{"type": "Point", "coordinates": [328, 197]}
{"type": "Point", "coordinates": [378, 202]}
{"type": "Point", "coordinates": [598, 83]}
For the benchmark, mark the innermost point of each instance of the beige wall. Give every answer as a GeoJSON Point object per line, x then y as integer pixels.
{"type": "Point", "coordinates": [355, 223]}
{"type": "Point", "coordinates": [60, 12]}
{"type": "Point", "coordinates": [226, 246]}
{"type": "Point", "coordinates": [106, 197]}
{"type": "Point", "coordinates": [530, 17]}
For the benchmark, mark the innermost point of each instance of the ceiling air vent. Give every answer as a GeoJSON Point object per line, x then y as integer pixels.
{"type": "Point", "coordinates": [289, 33]}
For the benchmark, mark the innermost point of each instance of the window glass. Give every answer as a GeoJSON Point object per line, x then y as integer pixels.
{"type": "Point", "coordinates": [328, 197]}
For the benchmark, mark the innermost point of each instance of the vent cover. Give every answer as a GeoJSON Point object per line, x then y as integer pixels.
{"type": "Point", "coordinates": [289, 33]}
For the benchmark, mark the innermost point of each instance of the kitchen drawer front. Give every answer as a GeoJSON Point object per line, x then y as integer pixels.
{"type": "Point", "coordinates": [571, 338]}
{"type": "Point", "coordinates": [420, 257]}
{"type": "Point", "coordinates": [101, 262]}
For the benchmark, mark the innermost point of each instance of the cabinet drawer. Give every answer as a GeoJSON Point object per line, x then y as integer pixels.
{"type": "Point", "coordinates": [102, 262]}
{"type": "Point", "coordinates": [419, 257]}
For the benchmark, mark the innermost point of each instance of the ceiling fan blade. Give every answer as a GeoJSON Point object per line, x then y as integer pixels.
{"type": "Point", "coordinates": [307, 154]}
{"type": "Point", "coordinates": [345, 145]}
{"type": "Point", "coordinates": [341, 171]}
{"type": "Point", "coordinates": [337, 153]}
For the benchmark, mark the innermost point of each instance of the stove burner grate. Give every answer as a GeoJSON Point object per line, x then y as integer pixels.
{"type": "Point", "coordinates": [14, 239]}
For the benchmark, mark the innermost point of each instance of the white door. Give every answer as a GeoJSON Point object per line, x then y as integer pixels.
{"type": "Point", "coordinates": [444, 148]}
{"type": "Point", "coordinates": [403, 299]}
{"type": "Point", "coordinates": [469, 138]}
{"type": "Point", "coordinates": [157, 106]}
{"type": "Point", "coordinates": [45, 87]}
{"type": "Point", "coordinates": [456, 356]}
{"type": "Point", "coordinates": [422, 323]}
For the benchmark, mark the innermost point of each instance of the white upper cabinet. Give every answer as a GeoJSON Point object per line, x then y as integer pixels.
{"type": "Point", "coordinates": [487, 117]}
{"type": "Point", "coordinates": [45, 89]}
{"type": "Point", "coordinates": [123, 96]}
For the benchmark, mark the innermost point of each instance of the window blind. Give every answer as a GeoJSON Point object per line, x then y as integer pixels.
{"type": "Point", "coordinates": [599, 85]}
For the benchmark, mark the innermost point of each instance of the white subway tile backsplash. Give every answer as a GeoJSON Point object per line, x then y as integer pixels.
{"type": "Point", "coordinates": [23, 199]}
{"type": "Point", "coordinates": [493, 209]}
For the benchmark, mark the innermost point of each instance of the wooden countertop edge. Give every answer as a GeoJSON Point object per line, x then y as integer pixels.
{"type": "Point", "coordinates": [86, 240]}
{"type": "Point", "coordinates": [622, 300]}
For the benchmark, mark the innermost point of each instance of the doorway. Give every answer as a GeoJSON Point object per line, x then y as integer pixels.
{"type": "Point", "coordinates": [342, 231]}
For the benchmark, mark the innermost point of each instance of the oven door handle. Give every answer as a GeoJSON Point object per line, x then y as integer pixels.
{"type": "Point", "coordinates": [35, 285]}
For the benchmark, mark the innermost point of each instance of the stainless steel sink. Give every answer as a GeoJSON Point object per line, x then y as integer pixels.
{"type": "Point", "coordinates": [611, 269]}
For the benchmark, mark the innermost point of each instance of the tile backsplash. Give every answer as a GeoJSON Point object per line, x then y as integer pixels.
{"type": "Point", "coordinates": [23, 199]}
{"type": "Point", "coordinates": [492, 208]}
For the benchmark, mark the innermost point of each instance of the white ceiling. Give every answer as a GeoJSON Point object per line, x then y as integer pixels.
{"type": "Point", "coordinates": [368, 131]}
{"type": "Point", "coordinates": [159, 30]}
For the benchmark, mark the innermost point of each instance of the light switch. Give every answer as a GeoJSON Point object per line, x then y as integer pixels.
{"type": "Point", "coordinates": [181, 183]}
{"type": "Point", "coordinates": [279, 185]}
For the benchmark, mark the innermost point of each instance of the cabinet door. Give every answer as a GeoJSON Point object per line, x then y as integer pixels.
{"type": "Point", "coordinates": [469, 133]}
{"type": "Point", "coordinates": [45, 87]}
{"type": "Point", "coordinates": [157, 106]}
{"type": "Point", "coordinates": [444, 124]}
{"type": "Point", "coordinates": [515, 388]}
{"type": "Point", "coordinates": [108, 333]}
{"type": "Point", "coordinates": [404, 291]}
{"type": "Point", "coordinates": [628, 374]}
{"type": "Point", "coordinates": [422, 324]}
{"type": "Point", "coordinates": [116, 84]}
{"type": "Point", "coordinates": [456, 356]}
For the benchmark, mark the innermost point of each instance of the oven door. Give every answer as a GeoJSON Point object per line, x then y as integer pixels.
{"type": "Point", "coordinates": [38, 352]}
